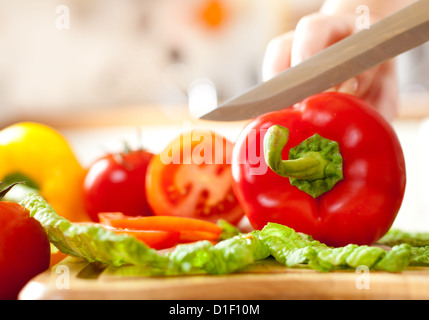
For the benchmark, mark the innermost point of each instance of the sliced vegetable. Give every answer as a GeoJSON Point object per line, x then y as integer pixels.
{"type": "Point", "coordinates": [228, 230]}
{"type": "Point", "coordinates": [153, 238]}
{"type": "Point", "coordinates": [91, 241]}
{"type": "Point", "coordinates": [192, 178]}
{"type": "Point", "coordinates": [56, 256]}
{"type": "Point", "coordinates": [192, 236]}
{"type": "Point", "coordinates": [190, 229]}
{"type": "Point", "coordinates": [95, 243]}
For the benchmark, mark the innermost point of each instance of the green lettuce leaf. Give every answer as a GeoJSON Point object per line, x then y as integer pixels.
{"type": "Point", "coordinates": [225, 257]}
{"type": "Point", "coordinates": [96, 244]}
{"type": "Point", "coordinates": [228, 230]}
{"type": "Point", "coordinates": [290, 248]}
{"type": "Point", "coordinates": [287, 246]}
{"type": "Point", "coordinates": [397, 259]}
{"type": "Point", "coordinates": [420, 256]}
{"type": "Point", "coordinates": [91, 242]}
{"type": "Point", "coordinates": [414, 239]}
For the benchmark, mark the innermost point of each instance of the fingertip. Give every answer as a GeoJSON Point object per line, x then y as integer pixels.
{"type": "Point", "coordinates": [277, 56]}
{"type": "Point", "coordinates": [317, 31]}
{"type": "Point", "coordinates": [350, 86]}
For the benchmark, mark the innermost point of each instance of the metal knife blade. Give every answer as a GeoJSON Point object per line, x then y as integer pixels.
{"type": "Point", "coordinates": [346, 59]}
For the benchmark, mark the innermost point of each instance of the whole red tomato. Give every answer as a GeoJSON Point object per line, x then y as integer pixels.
{"type": "Point", "coordinates": [116, 183]}
{"type": "Point", "coordinates": [358, 207]}
{"type": "Point", "coordinates": [192, 178]}
{"type": "Point", "coordinates": [24, 249]}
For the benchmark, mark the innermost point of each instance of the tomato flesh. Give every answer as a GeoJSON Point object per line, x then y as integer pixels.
{"type": "Point", "coordinates": [199, 185]}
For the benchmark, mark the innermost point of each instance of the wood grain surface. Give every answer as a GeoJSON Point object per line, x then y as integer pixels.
{"type": "Point", "coordinates": [75, 279]}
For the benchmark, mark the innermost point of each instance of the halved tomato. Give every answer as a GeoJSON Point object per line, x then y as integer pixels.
{"type": "Point", "coordinates": [192, 178]}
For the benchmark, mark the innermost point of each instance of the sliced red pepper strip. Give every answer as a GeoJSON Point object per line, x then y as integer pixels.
{"type": "Point", "coordinates": [155, 239]}
{"type": "Point", "coordinates": [105, 217]}
{"type": "Point", "coordinates": [191, 236]}
{"type": "Point", "coordinates": [57, 257]}
{"type": "Point", "coordinates": [164, 223]}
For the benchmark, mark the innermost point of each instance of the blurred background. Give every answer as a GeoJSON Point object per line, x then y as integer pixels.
{"type": "Point", "coordinates": [59, 55]}
{"type": "Point", "coordinates": [97, 69]}
{"type": "Point", "coordinates": [112, 53]}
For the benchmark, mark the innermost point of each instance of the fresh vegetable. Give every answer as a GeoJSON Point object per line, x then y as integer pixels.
{"type": "Point", "coordinates": [415, 239]}
{"type": "Point", "coordinates": [336, 170]}
{"type": "Point", "coordinates": [292, 248]}
{"type": "Point", "coordinates": [42, 157]}
{"type": "Point", "coordinates": [225, 257]}
{"type": "Point", "coordinates": [189, 229]}
{"type": "Point", "coordinates": [96, 244]}
{"type": "Point", "coordinates": [90, 240]}
{"type": "Point", "coordinates": [24, 248]}
{"type": "Point", "coordinates": [155, 239]}
{"type": "Point", "coordinates": [420, 256]}
{"type": "Point", "coordinates": [56, 256]}
{"type": "Point", "coordinates": [228, 230]}
{"type": "Point", "coordinates": [192, 178]}
{"type": "Point", "coordinates": [116, 182]}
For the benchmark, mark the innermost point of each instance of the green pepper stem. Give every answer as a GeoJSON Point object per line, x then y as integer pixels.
{"type": "Point", "coordinates": [314, 166]}
{"type": "Point", "coordinates": [310, 167]}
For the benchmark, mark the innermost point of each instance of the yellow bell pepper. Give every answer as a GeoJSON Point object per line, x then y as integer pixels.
{"type": "Point", "coordinates": [43, 157]}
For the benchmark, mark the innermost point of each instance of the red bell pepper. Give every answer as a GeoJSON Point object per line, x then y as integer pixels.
{"type": "Point", "coordinates": [344, 179]}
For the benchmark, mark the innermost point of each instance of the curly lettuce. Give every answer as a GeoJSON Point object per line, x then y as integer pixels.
{"type": "Point", "coordinates": [395, 236]}
{"type": "Point", "coordinates": [292, 248]}
{"type": "Point", "coordinates": [96, 244]}
{"type": "Point", "coordinates": [91, 242]}
{"type": "Point", "coordinates": [235, 252]}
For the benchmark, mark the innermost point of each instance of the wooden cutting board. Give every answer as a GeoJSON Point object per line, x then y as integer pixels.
{"type": "Point", "coordinates": [75, 279]}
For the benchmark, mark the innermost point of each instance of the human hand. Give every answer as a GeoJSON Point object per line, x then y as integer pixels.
{"type": "Point", "coordinates": [315, 32]}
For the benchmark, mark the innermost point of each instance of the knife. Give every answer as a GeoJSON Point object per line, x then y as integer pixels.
{"type": "Point", "coordinates": [346, 59]}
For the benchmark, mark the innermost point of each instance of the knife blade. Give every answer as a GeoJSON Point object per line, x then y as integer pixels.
{"type": "Point", "coordinates": [391, 36]}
